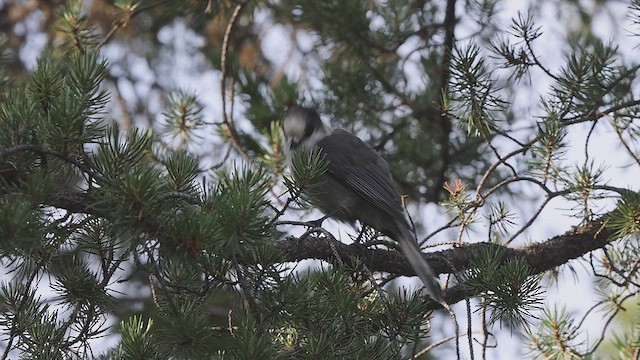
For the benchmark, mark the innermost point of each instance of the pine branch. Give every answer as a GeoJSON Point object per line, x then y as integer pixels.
{"type": "Point", "coordinates": [541, 256]}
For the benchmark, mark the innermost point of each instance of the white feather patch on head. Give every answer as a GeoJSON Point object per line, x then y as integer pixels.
{"type": "Point", "coordinates": [293, 128]}
{"type": "Point", "coordinates": [295, 125]}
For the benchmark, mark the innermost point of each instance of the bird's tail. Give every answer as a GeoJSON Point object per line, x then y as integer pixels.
{"type": "Point", "coordinates": [411, 251]}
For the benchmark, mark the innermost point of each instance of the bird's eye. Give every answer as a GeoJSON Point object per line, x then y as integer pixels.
{"type": "Point", "coordinates": [294, 144]}
{"type": "Point", "coordinates": [308, 131]}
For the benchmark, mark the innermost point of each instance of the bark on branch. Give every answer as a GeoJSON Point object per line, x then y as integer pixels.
{"type": "Point", "coordinates": [541, 256]}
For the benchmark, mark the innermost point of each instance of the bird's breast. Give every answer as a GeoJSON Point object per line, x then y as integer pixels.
{"type": "Point", "coordinates": [332, 197]}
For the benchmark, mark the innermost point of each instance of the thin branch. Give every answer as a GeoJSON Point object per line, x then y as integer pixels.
{"type": "Point", "coordinates": [469, 326]}
{"type": "Point", "coordinates": [485, 332]}
{"type": "Point", "coordinates": [601, 114]}
{"type": "Point", "coordinates": [122, 23]}
{"type": "Point", "coordinates": [491, 168]}
{"type": "Point", "coordinates": [227, 120]}
{"type": "Point", "coordinates": [436, 344]}
{"type": "Point", "coordinates": [625, 144]}
{"type": "Point", "coordinates": [528, 42]}
{"type": "Point", "coordinates": [42, 151]}
{"type": "Point", "coordinates": [606, 325]}
{"type": "Point", "coordinates": [23, 301]}
{"type": "Point", "coordinates": [531, 220]}
{"type": "Point", "coordinates": [448, 225]}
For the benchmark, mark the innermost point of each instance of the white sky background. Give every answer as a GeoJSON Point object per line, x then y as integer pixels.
{"type": "Point", "coordinates": [186, 66]}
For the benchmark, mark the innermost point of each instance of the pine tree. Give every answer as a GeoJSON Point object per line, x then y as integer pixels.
{"type": "Point", "coordinates": [144, 219]}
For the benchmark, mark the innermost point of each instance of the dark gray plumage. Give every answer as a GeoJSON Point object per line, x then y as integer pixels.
{"type": "Point", "coordinates": [356, 186]}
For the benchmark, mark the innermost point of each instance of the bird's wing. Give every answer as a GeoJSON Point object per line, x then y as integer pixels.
{"type": "Point", "coordinates": [362, 169]}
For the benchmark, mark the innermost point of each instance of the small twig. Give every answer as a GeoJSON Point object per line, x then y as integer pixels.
{"type": "Point", "coordinates": [601, 114]}
{"type": "Point", "coordinates": [232, 132]}
{"type": "Point", "coordinates": [586, 144]}
{"type": "Point", "coordinates": [491, 168]}
{"type": "Point", "coordinates": [528, 42]}
{"type": "Point", "coordinates": [23, 301]}
{"type": "Point", "coordinates": [485, 331]}
{"type": "Point", "coordinates": [154, 296]}
{"type": "Point", "coordinates": [384, 299]}
{"type": "Point", "coordinates": [296, 223]}
{"type": "Point", "coordinates": [531, 220]}
{"type": "Point", "coordinates": [229, 319]}
{"type": "Point", "coordinates": [438, 343]}
{"type": "Point", "coordinates": [122, 23]}
{"type": "Point", "coordinates": [448, 225]}
{"type": "Point", "coordinates": [280, 212]}
{"type": "Point", "coordinates": [223, 160]}
{"type": "Point", "coordinates": [469, 327]}
{"type": "Point", "coordinates": [42, 151]}
{"type": "Point", "coordinates": [607, 323]}
{"type": "Point", "coordinates": [447, 307]}
{"type": "Point", "coordinates": [497, 154]}
{"type": "Point", "coordinates": [620, 132]}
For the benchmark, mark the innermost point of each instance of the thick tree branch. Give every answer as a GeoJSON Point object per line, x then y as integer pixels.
{"type": "Point", "coordinates": [541, 256]}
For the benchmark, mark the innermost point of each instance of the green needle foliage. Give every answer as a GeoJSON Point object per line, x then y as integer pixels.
{"type": "Point", "coordinates": [138, 340]}
{"type": "Point", "coordinates": [509, 288]}
{"type": "Point", "coordinates": [474, 96]}
{"type": "Point", "coordinates": [306, 168]}
{"type": "Point", "coordinates": [559, 344]}
{"type": "Point", "coordinates": [141, 216]}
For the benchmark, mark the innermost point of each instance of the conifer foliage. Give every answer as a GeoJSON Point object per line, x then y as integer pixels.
{"type": "Point", "coordinates": [140, 220]}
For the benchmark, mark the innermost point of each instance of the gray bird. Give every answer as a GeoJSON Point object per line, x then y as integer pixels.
{"type": "Point", "coordinates": [356, 186]}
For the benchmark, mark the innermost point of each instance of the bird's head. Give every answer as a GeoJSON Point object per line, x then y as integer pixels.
{"type": "Point", "coordinates": [302, 128]}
